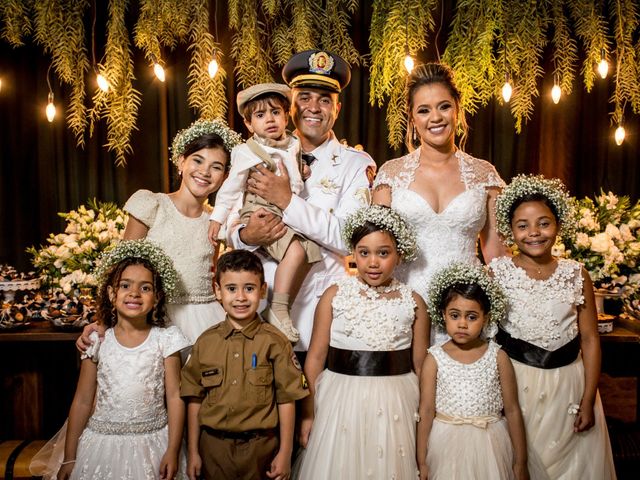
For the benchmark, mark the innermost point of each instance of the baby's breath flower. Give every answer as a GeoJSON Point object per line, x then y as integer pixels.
{"type": "Point", "coordinates": [524, 185]}
{"type": "Point", "coordinates": [143, 249]}
{"type": "Point", "coordinates": [466, 274]}
{"type": "Point", "coordinates": [388, 220]}
{"type": "Point", "coordinates": [203, 127]}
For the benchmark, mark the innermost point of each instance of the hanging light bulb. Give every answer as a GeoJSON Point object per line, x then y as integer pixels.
{"type": "Point", "coordinates": [603, 66]}
{"type": "Point", "coordinates": [408, 60]}
{"type": "Point", "coordinates": [507, 89]}
{"type": "Point", "coordinates": [213, 67]}
{"type": "Point", "coordinates": [158, 71]}
{"type": "Point", "coordinates": [50, 111]}
{"type": "Point", "coordinates": [103, 84]}
{"type": "Point", "coordinates": [619, 135]}
{"type": "Point", "coordinates": [0, 84]}
{"type": "Point", "coordinates": [556, 93]}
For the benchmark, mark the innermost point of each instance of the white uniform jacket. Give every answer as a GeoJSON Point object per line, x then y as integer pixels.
{"type": "Point", "coordinates": [338, 186]}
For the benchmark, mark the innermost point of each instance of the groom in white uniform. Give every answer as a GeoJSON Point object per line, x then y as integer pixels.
{"type": "Point", "coordinates": [338, 184]}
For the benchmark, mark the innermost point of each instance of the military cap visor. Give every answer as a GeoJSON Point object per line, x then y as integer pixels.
{"type": "Point", "coordinates": [317, 69]}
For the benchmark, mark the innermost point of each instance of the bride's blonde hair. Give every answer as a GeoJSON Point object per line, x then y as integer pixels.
{"type": "Point", "coordinates": [427, 74]}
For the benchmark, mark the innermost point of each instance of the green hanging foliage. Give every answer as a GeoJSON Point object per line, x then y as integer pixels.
{"type": "Point", "coordinates": [565, 50]}
{"type": "Point", "coordinates": [59, 28]}
{"type": "Point", "coordinates": [16, 17]}
{"type": "Point", "coordinates": [335, 35]}
{"type": "Point", "coordinates": [627, 90]}
{"type": "Point", "coordinates": [591, 29]}
{"type": "Point", "coordinates": [304, 28]}
{"type": "Point", "coordinates": [123, 100]}
{"type": "Point", "coordinates": [396, 25]}
{"type": "Point", "coordinates": [470, 51]}
{"type": "Point", "coordinates": [205, 93]}
{"type": "Point", "coordinates": [250, 48]}
{"type": "Point", "coordinates": [162, 23]}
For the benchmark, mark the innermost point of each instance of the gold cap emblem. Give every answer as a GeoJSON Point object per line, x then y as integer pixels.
{"type": "Point", "coordinates": [321, 62]}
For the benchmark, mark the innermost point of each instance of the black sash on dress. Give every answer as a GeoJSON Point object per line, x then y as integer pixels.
{"type": "Point", "coordinates": [534, 356]}
{"type": "Point", "coordinates": [362, 363]}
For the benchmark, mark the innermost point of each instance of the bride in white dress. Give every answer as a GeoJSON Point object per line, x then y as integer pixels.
{"type": "Point", "coordinates": [446, 194]}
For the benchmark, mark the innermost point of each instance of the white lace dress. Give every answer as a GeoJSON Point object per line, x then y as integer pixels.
{"type": "Point", "coordinates": [445, 237]}
{"type": "Point", "coordinates": [185, 240]}
{"type": "Point", "coordinates": [545, 313]}
{"type": "Point", "coordinates": [364, 426]}
{"type": "Point", "coordinates": [471, 440]}
{"type": "Point", "coordinates": [127, 434]}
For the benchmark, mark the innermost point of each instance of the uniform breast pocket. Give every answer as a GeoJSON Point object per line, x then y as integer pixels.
{"type": "Point", "coordinates": [212, 382]}
{"type": "Point", "coordinates": [260, 381]}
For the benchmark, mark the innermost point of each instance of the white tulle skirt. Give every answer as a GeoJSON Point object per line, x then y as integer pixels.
{"type": "Point", "coordinates": [194, 318]}
{"type": "Point", "coordinates": [364, 428]}
{"type": "Point", "coordinates": [545, 398]}
{"type": "Point", "coordinates": [462, 452]}
{"type": "Point", "coordinates": [108, 457]}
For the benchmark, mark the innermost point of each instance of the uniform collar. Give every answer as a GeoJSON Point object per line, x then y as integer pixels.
{"type": "Point", "coordinates": [249, 331]}
{"type": "Point", "coordinates": [329, 149]}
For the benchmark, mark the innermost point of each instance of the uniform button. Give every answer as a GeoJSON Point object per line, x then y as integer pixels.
{"type": "Point", "coordinates": [234, 382]}
{"type": "Point", "coordinates": [236, 355]}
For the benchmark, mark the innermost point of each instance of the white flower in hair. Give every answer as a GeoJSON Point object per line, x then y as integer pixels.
{"type": "Point", "coordinates": [203, 127]}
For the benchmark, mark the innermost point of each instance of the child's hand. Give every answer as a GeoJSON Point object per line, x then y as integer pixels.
{"type": "Point", "coordinates": [306, 171]}
{"type": "Point", "coordinates": [65, 471]}
{"type": "Point", "coordinates": [584, 420]}
{"type": "Point", "coordinates": [521, 471]}
{"type": "Point", "coordinates": [84, 342]}
{"type": "Point", "coordinates": [305, 431]}
{"type": "Point", "coordinates": [168, 466]}
{"type": "Point", "coordinates": [280, 467]}
{"type": "Point", "coordinates": [214, 230]}
{"type": "Point", "coordinates": [194, 466]}
{"type": "Point", "coordinates": [423, 471]}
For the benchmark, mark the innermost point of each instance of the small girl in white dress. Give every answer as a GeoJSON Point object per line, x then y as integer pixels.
{"type": "Point", "coordinates": [372, 331]}
{"type": "Point", "coordinates": [465, 385]}
{"type": "Point", "coordinates": [550, 333]}
{"type": "Point", "coordinates": [133, 373]}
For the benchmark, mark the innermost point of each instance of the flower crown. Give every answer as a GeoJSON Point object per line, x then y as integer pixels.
{"type": "Point", "coordinates": [467, 274]}
{"type": "Point", "coordinates": [203, 127]}
{"type": "Point", "coordinates": [523, 185]}
{"type": "Point", "coordinates": [145, 250]}
{"type": "Point", "coordinates": [387, 219]}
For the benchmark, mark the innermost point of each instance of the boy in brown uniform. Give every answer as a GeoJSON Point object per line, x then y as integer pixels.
{"type": "Point", "coordinates": [240, 383]}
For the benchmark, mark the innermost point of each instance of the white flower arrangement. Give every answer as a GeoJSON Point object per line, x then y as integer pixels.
{"type": "Point", "coordinates": [203, 127]}
{"type": "Point", "coordinates": [143, 249]}
{"type": "Point", "coordinates": [465, 273]}
{"type": "Point", "coordinates": [387, 219]}
{"type": "Point", "coordinates": [525, 185]}
{"type": "Point", "coordinates": [68, 261]}
{"type": "Point", "coordinates": [607, 242]}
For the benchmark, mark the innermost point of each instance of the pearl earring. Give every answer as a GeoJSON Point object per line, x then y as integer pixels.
{"type": "Point", "coordinates": [415, 134]}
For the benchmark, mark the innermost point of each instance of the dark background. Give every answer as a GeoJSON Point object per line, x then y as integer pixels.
{"type": "Point", "coordinates": [43, 171]}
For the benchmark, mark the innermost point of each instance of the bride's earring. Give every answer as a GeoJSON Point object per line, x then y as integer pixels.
{"type": "Point", "coordinates": [415, 134]}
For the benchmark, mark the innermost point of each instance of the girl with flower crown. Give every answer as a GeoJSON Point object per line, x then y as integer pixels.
{"type": "Point", "coordinates": [134, 428]}
{"type": "Point", "coordinates": [466, 384]}
{"type": "Point", "coordinates": [372, 332]}
{"type": "Point", "coordinates": [550, 333]}
{"type": "Point", "coordinates": [179, 221]}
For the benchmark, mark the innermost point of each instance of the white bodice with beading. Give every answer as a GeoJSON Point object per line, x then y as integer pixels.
{"type": "Point", "coordinates": [541, 312]}
{"type": "Point", "coordinates": [366, 318]}
{"type": "Point", "coordinates": [182, 238]}
{"type": "Point", "coordinates": [131, 380]}
{"type": "Point", "coordinates": [444, 237]}
{"type": "Point", "coordinates": [468, 390]}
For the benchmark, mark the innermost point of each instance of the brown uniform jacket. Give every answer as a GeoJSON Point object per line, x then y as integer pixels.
{"type": "Point", "coordinates": [238, 393]}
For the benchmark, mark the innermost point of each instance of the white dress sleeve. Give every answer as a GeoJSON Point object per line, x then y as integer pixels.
{"type": "Point", "coordinates": [94, 349]}
{"type": "Point", "coordinates": [143, 205]}
{"type": "Point", "coordinates": [172, 340]}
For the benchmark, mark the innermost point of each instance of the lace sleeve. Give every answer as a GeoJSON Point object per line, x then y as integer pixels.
{"type": "Point", "coordinates": [172, 340]}
{"type": "Point", "coordinates": [143, 205]}
{"type": "Point", "coordinates": [397, 173]}
{"type": "Point", "coordinates": [479, 173]}
{"type": "Point", "coordinates": [578, 283]}
{"type": "Point", "coordinates": [94, 349]}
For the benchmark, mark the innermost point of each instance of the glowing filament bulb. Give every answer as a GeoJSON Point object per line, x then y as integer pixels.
{"type": "Point", "coordinates": [159, 71]}
{"type": "Point", "coordinates": [0, 84]}
{"type": "Point", "coordinates": [50, 111]}
{"type": "Point", "coordinates": [408, 63]}
{"type": "Point", "coordinates": [556, 93]}
{"type": "Point", "coordinates": [103, 84]}
{"type": "Point", "coordinates": [213, 67]}
{"type": "Point", "coordinates": [603, 67]}
{"type": "Point", "coordinates": [619, 135]}
{"type": "Point", "coordinates": [507, 90]}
